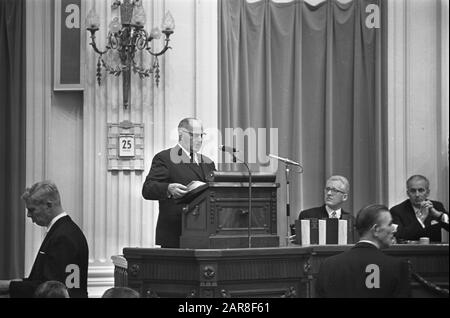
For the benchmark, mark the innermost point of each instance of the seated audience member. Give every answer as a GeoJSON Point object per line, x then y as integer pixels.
{"type": "Point", "coordinates": [364, 270]}
{"type": "Point", "coordinates": [121, 292]}
{"type": "Point", "coordinates": [417, 216]}
{"type": "Point", "coordinates": [51, 289]}
{"type": "Point", "coordinates": [335, 194]}
{"type": "Point", "coordinates": [63, 255]}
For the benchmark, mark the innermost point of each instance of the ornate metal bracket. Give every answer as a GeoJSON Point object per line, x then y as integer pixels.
{"type": "Point", "coordinates": [208, 272]}
{"type": "Point", "coordinates": [134, 270]}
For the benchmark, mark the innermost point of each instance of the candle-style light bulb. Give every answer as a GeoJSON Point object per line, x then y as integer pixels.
{"type": "Point", "coordinates": [155, 33]}
{"type": "Point", "coordinates": [115, 25]}
{"type": "Point", "coordinates": [92, 20]}
{"type": "Point", "coordinates": [139, 17]}
{"type": "Point", "coordinates": [169, 22]}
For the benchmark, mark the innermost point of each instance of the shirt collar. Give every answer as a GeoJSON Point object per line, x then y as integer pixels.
{"type": "Point", "coordinates": [188, 154]}
{"type": "Point", "coordinates": [56, 218]}
{"type": "Point", "coordinates": [369, 242]}
{"type": "Point", "coordinates": [330, 210]}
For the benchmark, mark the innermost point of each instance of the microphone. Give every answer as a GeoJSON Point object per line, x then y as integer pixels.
{"type": "Point", "coordinates": [227, 149]}
{"type": "Point", "coordinates": [285, 160]}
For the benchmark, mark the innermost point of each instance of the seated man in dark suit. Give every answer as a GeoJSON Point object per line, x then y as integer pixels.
{"type": "Point", "coordinates": [171, 171]}
{"type": "Point", "coordinates": [417, 216]}
{"type": "Point", "coordinates": [335, 194]}
{"type": "Point", "coordinates": [63, 255]}
{"type": "Point", "coordinates": [364, 270]}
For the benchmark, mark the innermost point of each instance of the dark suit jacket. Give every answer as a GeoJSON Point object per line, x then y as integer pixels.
{"type": "Point", "coordinates": [64, 244]}
{"type": "Point", "coordinates": [321, 213]}
{"type": "Point", "coordinates": [409, 227]}
{"type": "Point", "coordinates": [344, 275]}
{"type": "Point", "coordinates": [172, 166]}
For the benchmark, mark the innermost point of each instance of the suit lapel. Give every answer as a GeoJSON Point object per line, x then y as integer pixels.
{"type": "Point", "coordinates": [187, 162]}
{"type": "Point", "coordinates": [345, 215]}
{"type": "Point", "coordinates": [197, 170]}
{"type": "Point", "coordinates": [324, 212]}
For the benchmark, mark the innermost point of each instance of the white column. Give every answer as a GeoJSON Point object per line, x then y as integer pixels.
{"type": "Point", "coordinates": [397, 100]}
{"type": "Point", "coordinates": [115, 214]}
{"type": "Point", "coordinates": [206, 73]}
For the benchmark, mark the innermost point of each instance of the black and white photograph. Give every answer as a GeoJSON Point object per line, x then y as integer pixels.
{"type": "Point", "coordinates": [224, 154]}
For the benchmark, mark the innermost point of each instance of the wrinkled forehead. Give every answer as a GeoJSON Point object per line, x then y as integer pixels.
{"type": "Point", "coordinates": [195, 126]}
{"type": "Point", "coordinates": [417, 184]}
{"type": "Point", "coordinates": [335, 184]}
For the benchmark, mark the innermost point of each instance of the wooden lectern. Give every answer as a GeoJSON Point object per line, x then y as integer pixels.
{"type": "Point", "coordinates": [217, 217]}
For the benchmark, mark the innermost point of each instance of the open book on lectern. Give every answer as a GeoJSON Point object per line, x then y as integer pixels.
{"type": "Point", "coordinates": [194, 188]}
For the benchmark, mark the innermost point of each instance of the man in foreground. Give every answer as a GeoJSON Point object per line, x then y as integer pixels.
{"type": "Point", "coordinates": [364, 270]}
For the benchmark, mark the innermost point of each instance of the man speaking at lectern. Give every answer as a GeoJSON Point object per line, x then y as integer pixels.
{"type": "Point", "coordinates": [171, 171]}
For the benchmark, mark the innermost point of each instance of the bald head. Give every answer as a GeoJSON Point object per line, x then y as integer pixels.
{"type": "Point", "coordinates": [190, 134]}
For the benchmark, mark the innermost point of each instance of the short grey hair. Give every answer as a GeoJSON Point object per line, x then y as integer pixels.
{"type": "Point", "coordinates": [41, 192]}
{"type": "Point", "coordinates": [341, 179]}
{"type": "Point", "coordinates": [368, 216]}
{"type": "Point", "coordinates": [417, 177]}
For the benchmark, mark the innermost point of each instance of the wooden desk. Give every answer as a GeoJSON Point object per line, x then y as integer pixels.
{"type": "Point", "coordinates": [256, 272]}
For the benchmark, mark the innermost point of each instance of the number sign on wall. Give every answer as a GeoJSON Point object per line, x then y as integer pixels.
{"type": "Point", "coordinates": [126, 146]}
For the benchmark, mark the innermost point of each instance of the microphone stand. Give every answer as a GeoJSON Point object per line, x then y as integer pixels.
{"type": "Point", "coordinates": [288, 204]}
{"type": "Point", "coordinates": [287, 163]}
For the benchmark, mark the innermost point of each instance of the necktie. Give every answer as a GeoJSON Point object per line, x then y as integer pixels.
{"type": "Point", "coordinates": [333, 215]}
{"type": "Point", "coordinates": [194, 158]}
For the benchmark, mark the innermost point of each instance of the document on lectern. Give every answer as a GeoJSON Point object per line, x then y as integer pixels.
{"type": "Point", "coordinates": [194, 188]}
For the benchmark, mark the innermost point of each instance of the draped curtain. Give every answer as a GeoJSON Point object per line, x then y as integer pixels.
{"type": "Point", "coordinates": [12, 141]}
{"type": "Point", "coordinates": [315, 74]}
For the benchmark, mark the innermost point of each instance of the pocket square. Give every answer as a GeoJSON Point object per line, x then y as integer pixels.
{"type": "Point", "coordinates": [433, 222]}
{"type": "Point", "coordinates": [40, 252]}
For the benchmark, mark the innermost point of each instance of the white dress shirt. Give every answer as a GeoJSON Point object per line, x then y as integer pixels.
{"type": "Point", "coordinates": [56, 218]}
{"type": "Point", "coordinates": [330, 211]}
{"type": "Point", "coordinates": [194, 154]}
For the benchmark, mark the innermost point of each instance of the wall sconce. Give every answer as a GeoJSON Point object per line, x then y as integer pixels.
{"type": "Point", "coordinates": [125, 37]}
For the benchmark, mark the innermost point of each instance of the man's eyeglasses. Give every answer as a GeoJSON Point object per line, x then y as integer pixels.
{"type": "Point", "coordinates": [193, 135]}
{"type": "Point", "coordinates": [333, 190]}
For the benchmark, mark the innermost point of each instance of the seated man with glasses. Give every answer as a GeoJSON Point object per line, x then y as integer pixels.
{"type": "Point", "coordinates": [171, 171]}
{"type": "Point", "coordinates": [335, 194]}
{"type": "Point", "coordinates": [417, 216]}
